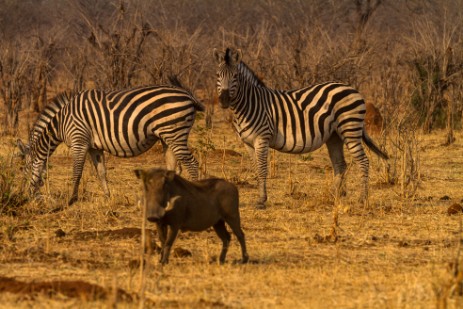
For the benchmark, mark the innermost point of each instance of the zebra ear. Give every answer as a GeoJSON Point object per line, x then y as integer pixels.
{"type": "Point", "coordinates": [219, 56]}
{"type": "Point", "coordinates": [23, 148]}
{"type": "Point", "coordinates": [238, 55]}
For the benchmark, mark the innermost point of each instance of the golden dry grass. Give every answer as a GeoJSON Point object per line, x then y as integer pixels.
{"type": "Point", "coordinates": [400, 253]}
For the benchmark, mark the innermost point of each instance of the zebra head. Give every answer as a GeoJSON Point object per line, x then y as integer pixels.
{"type": "Point", "coordinates": [33, 167]}
{"type": "Point", "coordinates": [227, 75]}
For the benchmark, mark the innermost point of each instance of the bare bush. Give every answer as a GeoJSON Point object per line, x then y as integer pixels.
{"type": "Point", "coordinates": [14, 70]}
{"type": "Point", "coordinates": [437, 67]}
{"type": "Point", "coordinates": [117, 43]}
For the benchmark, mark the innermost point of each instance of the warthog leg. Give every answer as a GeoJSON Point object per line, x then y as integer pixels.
{"type": "Point", "coordinates": [235, 225]}
{"type": "Point", "coordinates": [172, 232]}
{"type": "Point", "coordinates": [222, 232]}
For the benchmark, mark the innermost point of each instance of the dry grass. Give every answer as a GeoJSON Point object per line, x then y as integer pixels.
{"type": "Point", "coordinates": [398, 254]}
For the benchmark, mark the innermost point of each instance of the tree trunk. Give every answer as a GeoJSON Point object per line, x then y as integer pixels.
{"type": "Point", "coordinates": [450, 138]}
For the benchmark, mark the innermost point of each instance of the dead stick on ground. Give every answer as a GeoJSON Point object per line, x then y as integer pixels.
{"type": "Point", "coordinates": [143, 269]}
{"type": "Point", "coordinates": [223, 159]}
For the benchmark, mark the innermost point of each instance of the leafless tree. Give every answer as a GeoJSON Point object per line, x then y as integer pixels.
{"type": "Point", "coordinates": [14, 70]}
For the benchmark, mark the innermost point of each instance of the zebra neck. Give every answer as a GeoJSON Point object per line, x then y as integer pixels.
{"type": "Point", "coordinates": [251, 111]}
{"type": "Point", "coordinates": [45, 145]}
{"type": "Point", "coordinates": [248, 76]}
{"type": "Point", "coordinates": [46, 137]}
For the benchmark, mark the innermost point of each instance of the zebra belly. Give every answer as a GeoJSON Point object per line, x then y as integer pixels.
{"type": "Point", "coordinates": [289, 144]}
{"type": "Point", "coordinates": [131, 148]}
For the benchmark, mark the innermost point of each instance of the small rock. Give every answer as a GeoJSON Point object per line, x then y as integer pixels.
{"type": "Point", "coordinates": [180, 252]}
{"type": "Point", "coordinates": [318, 238]}
{"type": "Point", "coordinates": [454, 209]}
{"type": "Point", "coordinates": [135, 264]}
{"type": "Point", "coordinates": [403, 244]}
{"type": "Point", "coordinates": [60, 233]}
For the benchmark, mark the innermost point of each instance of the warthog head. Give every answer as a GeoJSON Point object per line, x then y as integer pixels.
{"type": "Point", "coordinates": [156, 191]}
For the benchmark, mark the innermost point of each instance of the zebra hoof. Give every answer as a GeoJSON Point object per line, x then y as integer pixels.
{"type": "Point", "coordinates": [260, 206]}
{"type": "Point", "coordinates": [72, 200]}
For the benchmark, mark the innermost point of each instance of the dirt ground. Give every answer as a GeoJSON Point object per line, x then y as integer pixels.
{"type": "Point", "coordinates": [402, 252]}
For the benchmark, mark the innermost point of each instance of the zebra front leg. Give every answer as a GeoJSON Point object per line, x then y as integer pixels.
{"type": "Point", "coordinates": [99, 163]}
{"type": "Point", "coordinates": [78, 166]}
{"type": "Point", "coordinates": [261, 183]}
{"type": "Point", "coordinates": [261, 152]}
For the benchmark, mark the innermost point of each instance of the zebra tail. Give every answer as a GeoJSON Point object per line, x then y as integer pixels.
{"type": "Point", "coordinates": [369, 142]}
{"type": "Point", "coordinates": [174, 81]}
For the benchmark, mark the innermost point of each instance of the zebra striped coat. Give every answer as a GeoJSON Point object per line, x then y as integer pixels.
{"type": "Point", "coordinates": [124, 123]}
{"type": "Point", "coordinates": [294, 121]}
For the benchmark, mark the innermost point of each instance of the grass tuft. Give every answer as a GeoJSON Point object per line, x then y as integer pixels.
{"type": "Point", "coordinates": [11, 194]}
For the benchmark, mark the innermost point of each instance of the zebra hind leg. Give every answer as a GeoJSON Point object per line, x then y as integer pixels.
{"type": "Point", "coordinates": [357, 151]}
{"type": "Point", "coordinates": [336, 152]}
{"type": "Point", "coordinates": [182, 153]}
{"type": "Point", "coordinates": [99, 163]}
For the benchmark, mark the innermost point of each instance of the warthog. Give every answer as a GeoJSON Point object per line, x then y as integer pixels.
{"type": "Point", "coordinates": [174, 204]}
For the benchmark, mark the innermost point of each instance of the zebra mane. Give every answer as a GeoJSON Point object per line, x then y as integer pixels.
{"type": "Point", "coordinates": [249, 75]}
{"type": "Point", "coordinates": [48, 113]}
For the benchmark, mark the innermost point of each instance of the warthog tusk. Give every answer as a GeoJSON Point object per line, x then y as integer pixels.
{"type": "Point", "coordinates": [171, 202]}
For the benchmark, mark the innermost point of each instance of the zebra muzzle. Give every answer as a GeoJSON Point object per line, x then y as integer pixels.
{"type": "Point", "coordinates": [224, 99]}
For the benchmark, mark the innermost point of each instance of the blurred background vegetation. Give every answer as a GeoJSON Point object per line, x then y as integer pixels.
{"type": "Point", "coordinates": [406, 57]}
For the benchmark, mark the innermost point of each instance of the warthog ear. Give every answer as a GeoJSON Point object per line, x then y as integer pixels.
{"type": "Point", "coordinates": [170, 175]}
{"type": "Point", "coordinates": [139, 173]}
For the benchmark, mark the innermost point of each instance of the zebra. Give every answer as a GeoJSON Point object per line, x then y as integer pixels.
{"type": "Point", "coordinates": [293, 121]}
{"type": "Point", "coordinates": [123, 123]}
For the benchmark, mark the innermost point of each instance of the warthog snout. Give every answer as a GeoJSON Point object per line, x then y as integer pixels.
{"type": "Point", "coordinates": [154, 213]}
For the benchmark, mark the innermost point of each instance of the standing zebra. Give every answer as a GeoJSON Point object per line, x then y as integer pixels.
{"type": "Point", "coordinates": [295, 121]}
{"type": "Point", "coordinates": [124, 123]}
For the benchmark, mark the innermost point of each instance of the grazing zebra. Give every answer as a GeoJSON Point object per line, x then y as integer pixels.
{"type": "Point", "coordinates": [294, 121]}
{"type": "Point", "coordinates": [124, 123]}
